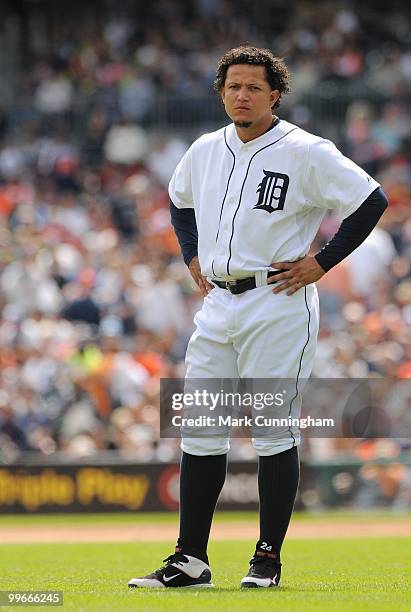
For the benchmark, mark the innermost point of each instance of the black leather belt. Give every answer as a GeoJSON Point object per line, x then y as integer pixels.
{"type": "Point", "coordinates": [242, 284]}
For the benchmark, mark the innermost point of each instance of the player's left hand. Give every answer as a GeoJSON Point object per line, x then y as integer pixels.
{"type": "Point", "coordinates": [296, 274]}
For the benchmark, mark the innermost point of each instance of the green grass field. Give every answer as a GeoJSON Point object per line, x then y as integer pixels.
{"type": "Point", "coordinates": [153, 518]}
{"type": "Point", "coordinates": [349, 574]}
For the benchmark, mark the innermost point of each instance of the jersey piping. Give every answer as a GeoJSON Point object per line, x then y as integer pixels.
{"type": "Point", "coordinates": [225, 195]}
{"type": "Point", "coordinates": [242, 188]}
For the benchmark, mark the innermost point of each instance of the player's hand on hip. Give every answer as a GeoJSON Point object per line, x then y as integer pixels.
{"type": "Point", "coordinates": [200, 280]}
{"type": "Point", "coordinates": [296, 274]}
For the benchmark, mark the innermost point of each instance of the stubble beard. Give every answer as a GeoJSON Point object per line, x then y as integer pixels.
{"type": "Point", "coordinates": [243, 124]}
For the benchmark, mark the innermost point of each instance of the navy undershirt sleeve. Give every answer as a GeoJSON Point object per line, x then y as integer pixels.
{"type": "Point", "coordinates": [353, 230]}
{"type": "Point", "coordinates": [184, 222]}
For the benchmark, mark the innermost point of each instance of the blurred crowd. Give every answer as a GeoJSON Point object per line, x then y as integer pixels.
{"type": "Point", "coordinates": [90, 68]}
{"type": "Point", "coordinates": [96, 304]}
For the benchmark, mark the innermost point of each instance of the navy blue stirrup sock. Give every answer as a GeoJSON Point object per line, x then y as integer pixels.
{"type": "Point", "coordinates": [278, 477]}
{"type": "Point", "coordinates": [201, 481]}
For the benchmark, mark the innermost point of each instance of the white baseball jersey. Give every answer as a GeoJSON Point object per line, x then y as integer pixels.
{"type": "Point", "coordinates": [264, 200]}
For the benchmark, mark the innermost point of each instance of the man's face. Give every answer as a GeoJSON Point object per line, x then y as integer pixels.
{"type": "Point", "coordinates": [247, 95]}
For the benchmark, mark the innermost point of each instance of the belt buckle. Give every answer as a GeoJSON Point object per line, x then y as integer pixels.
{"type": "Point", "coordinates": [230, 285]}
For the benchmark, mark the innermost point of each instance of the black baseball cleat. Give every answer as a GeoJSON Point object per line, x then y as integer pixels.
{"type": "Point", "coordinates": [265, 572]}
{"type": "Point", "coordinates": [179, 571]}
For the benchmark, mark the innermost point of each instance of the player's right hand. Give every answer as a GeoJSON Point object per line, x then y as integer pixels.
{"type": "Point", "coordinates": [200, 280]}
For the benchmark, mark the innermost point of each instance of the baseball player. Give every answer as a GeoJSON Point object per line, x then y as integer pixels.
{"type": "Point", "coordinates": [246, 204]}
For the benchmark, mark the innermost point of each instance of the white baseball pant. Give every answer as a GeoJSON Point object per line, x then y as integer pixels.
{"type": "Point", "coordinates": [257, 334]}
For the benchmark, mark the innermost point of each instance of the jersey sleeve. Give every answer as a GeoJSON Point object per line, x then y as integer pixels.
{"type": "Point", "coordinates": [333, 181]}
{"type": "Point", "coordinates": [180, 187]}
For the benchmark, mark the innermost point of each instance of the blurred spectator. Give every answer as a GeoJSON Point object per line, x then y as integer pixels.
{"type": "Point", "coordinates": [54, 94]}
{"type": "Point", "coordinates": [369, 265]}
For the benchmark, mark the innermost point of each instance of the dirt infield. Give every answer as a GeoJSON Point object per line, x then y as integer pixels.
{"type": "Point", "coordinates": [221, 531]}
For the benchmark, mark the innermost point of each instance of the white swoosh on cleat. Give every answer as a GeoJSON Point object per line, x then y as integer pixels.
{"type": "Point", "coordinates": [167, 579]}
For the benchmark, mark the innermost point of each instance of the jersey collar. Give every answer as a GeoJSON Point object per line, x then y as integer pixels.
{"type": "Point", "coordinates": [238, 145]}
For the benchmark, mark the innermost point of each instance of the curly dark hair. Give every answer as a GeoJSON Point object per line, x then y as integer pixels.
{"type": "Point", "coordinates": [275, 68]}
